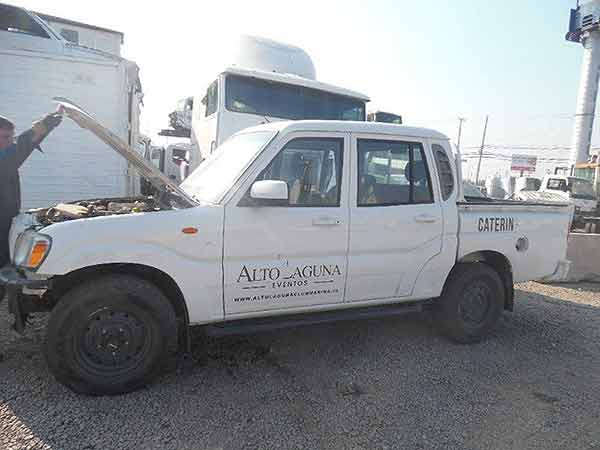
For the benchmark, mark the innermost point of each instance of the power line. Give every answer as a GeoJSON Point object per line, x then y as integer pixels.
{"type": "Point", "coordinates": [532, 148]}
{"type": "Point", "coordinates": [521, 147]}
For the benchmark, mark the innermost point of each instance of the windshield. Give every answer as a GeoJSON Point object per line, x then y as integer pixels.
{"type": "Point", "coordinates": [287, 101]}
{"type": "Point", "coordinates": [211, 180]}
{"type": "Point", "coordinates": [581, 188]}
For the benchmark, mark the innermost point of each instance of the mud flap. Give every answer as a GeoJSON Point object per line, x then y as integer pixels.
{"type": "Point", "coordinates": [14, 307]}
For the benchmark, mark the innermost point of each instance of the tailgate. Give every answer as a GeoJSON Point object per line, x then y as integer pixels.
{"type": "Point", "coordinates": [532, 237]}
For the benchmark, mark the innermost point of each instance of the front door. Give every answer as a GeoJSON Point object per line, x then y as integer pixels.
{"type": "Point", "coordinates": [293, 254]}
{"type": "Point", "coordinates": [396, 226]}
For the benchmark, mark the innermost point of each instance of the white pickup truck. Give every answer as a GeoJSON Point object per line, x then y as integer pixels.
{"type": "Point", "coordinates": [286, 223]}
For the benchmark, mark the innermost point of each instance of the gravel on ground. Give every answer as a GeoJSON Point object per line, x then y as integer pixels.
{"type": "Point", "coordinates": [389, 383]}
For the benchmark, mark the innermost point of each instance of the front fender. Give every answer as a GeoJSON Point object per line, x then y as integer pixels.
{"type": "Point", "coordinates": [156, 240]}
{"type": "Point", "coordinates": [198, 279]}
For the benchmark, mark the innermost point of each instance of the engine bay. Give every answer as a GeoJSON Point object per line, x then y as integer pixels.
{"type": "Point", "coordinates": [83, 209]}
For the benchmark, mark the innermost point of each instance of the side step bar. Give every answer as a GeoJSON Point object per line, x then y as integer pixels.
{"type": "Point", "coordinates": [247, 326]}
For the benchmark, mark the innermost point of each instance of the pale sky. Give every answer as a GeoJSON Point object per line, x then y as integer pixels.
{"type": "Point", "coordinates": [429, 60]}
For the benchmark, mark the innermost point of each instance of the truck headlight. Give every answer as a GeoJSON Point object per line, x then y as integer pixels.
{"type": "Point", "coordinates": [31, 249]}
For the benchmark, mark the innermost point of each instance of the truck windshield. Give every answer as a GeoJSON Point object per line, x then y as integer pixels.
{"type": "Point", "coordinates": [211, 180]}
{"type": "Point", "coordinates": [581, 189]}
{"type": "Point", "coordinates": [287, 101]}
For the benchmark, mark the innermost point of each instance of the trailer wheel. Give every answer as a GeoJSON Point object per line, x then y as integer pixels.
{"type": "Point", "coordinates": [471, 303]}
{"type": "Point", "coordinates": [110, 335]}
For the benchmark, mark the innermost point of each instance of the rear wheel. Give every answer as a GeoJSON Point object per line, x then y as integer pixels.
{"type": "Point", "coordinates": [471, 304]}
{"type": "Point", "coordinates": [110, 335]}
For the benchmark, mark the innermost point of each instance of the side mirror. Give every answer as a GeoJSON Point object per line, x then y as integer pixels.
{"type": "Point", "coordinates": [268, 191]}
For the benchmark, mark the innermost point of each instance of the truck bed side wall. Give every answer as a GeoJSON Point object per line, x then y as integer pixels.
{"type": "Point", "coordinates": [542, 230]}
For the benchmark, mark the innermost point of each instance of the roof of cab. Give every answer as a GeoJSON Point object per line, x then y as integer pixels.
{"type": "Point", "coordinates": [289, 78]}
{"type": "Point", "coordinates": [344, 126]}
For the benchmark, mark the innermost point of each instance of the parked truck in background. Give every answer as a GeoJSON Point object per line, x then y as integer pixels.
{"type": "Point", "coordinates": [565, 188]}
{"type": "Point", "coordinates": [287, 223]}
{"type": "Point", "coordinates": [37, 60]}
{"type": "Point", "coordinates": [266, 82]}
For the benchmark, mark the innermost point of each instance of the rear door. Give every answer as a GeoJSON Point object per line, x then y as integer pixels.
{"type": "Point", "coordinates": [290, 255]}
{"type": "Point", "coordinates": [396, 226]}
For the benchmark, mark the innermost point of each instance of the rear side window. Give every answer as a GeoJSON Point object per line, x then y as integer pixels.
{"type": "Point", "coordinates": [444, 169]}
{"type": "Point", "coordinates": [70, 35]}
{"type": "Point", "coordinates": [557, 184]}
{"type": "Point", "coordinates": [392, 173]}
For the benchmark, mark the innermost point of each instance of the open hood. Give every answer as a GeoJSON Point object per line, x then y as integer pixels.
{"type": "Point", "coordinates": [159, 180]}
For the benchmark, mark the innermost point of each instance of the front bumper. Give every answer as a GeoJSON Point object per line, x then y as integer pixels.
{"type": "Point", "coordinates": [14, 281]}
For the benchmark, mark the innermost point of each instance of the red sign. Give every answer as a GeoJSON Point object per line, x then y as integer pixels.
{"type": "Point", "coordinates": [523, 163]}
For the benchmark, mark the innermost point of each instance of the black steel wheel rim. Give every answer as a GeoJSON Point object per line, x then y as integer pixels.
{"type": "Point", "coordinates": [475, 303]}
{"type": "Point", "coordinates": [112, 342]}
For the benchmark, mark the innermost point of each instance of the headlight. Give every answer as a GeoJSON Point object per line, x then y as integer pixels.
{"type": "Point", "coordinates": [31, 249]}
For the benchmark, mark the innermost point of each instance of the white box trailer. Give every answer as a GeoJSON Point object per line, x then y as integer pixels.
{"type": "Point", "coordinates": [37, 65]}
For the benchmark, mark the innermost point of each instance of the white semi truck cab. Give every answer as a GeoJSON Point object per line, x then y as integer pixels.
{"type": "Point", "coordinates": [287, 223]}
{"type": "Point", "coordinates": [268, 81]}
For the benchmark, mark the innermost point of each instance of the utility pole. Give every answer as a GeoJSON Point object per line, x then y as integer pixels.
{"type": "Point", "coordinates": [481, 150]}
{"type": "Point", "coordinates": [460, 122]}
{"type": "Point", "coordinates": [584, 28]}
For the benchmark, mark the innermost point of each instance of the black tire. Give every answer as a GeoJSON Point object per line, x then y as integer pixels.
{"type": "Point", "coordinates": [471, 303]}
{"type": "Point", "coordinates": [111, 335]}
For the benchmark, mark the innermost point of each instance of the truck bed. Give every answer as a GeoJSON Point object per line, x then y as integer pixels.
{"type": "Point", "coordinates": [531, 235]}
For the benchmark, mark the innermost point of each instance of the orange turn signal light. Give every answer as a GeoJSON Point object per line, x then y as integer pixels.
{"type": "Point", "coordinates": [38, 253]}
{"type": "Point", "coordinates": [189, 230]}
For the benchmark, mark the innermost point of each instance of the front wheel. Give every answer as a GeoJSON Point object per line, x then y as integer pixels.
{"type": "Point", "coordinates": [110, 335]}
{"type": "Point", "coordinates": [471, 304]}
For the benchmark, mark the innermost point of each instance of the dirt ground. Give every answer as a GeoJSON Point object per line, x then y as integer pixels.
{"type": "Point", "coordinates": [376, 384]}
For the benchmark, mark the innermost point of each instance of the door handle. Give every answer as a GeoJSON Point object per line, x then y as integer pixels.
{"type": "Point", "coordinates": [326, 221]}
{"type": "Point", "coordinates": [425, 218]}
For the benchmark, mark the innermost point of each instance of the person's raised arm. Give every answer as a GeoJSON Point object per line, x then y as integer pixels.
{"type": "Point", "coordinates": [13, 157]}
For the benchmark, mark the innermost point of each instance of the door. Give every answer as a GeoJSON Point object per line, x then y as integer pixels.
{"type": "Point", "coordinates": [395, 224]}
{"type": "Point", "coordinates": [291, 254]}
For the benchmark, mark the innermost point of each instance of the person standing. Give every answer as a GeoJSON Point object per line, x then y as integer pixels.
{"type": "Point", "coordinates": [12, 155]}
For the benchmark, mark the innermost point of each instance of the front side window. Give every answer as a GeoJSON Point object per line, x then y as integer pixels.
{"type": "Point", "coordinates": [286, 101]}
{"type": "Point", "coordinates": [392, 173]}
{"type": "Point", "coordinates": [312, 169]}
{"type": "Point", "coordinates": [444, 169]}
{"type": "Point", "coordinates": [210, 100]}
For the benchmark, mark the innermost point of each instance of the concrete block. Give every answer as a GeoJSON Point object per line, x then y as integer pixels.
{"type": "Point", "coordinates": [583, 250]}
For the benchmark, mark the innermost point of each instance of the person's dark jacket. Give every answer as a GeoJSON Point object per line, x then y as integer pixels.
{"type": "Point", "coordinates": [11, 159]}
{"type": "Point", "coordinates": [10, 187]}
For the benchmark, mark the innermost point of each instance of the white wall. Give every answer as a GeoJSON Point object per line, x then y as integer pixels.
{"type": "Point", "coordinates": [76, 164]}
